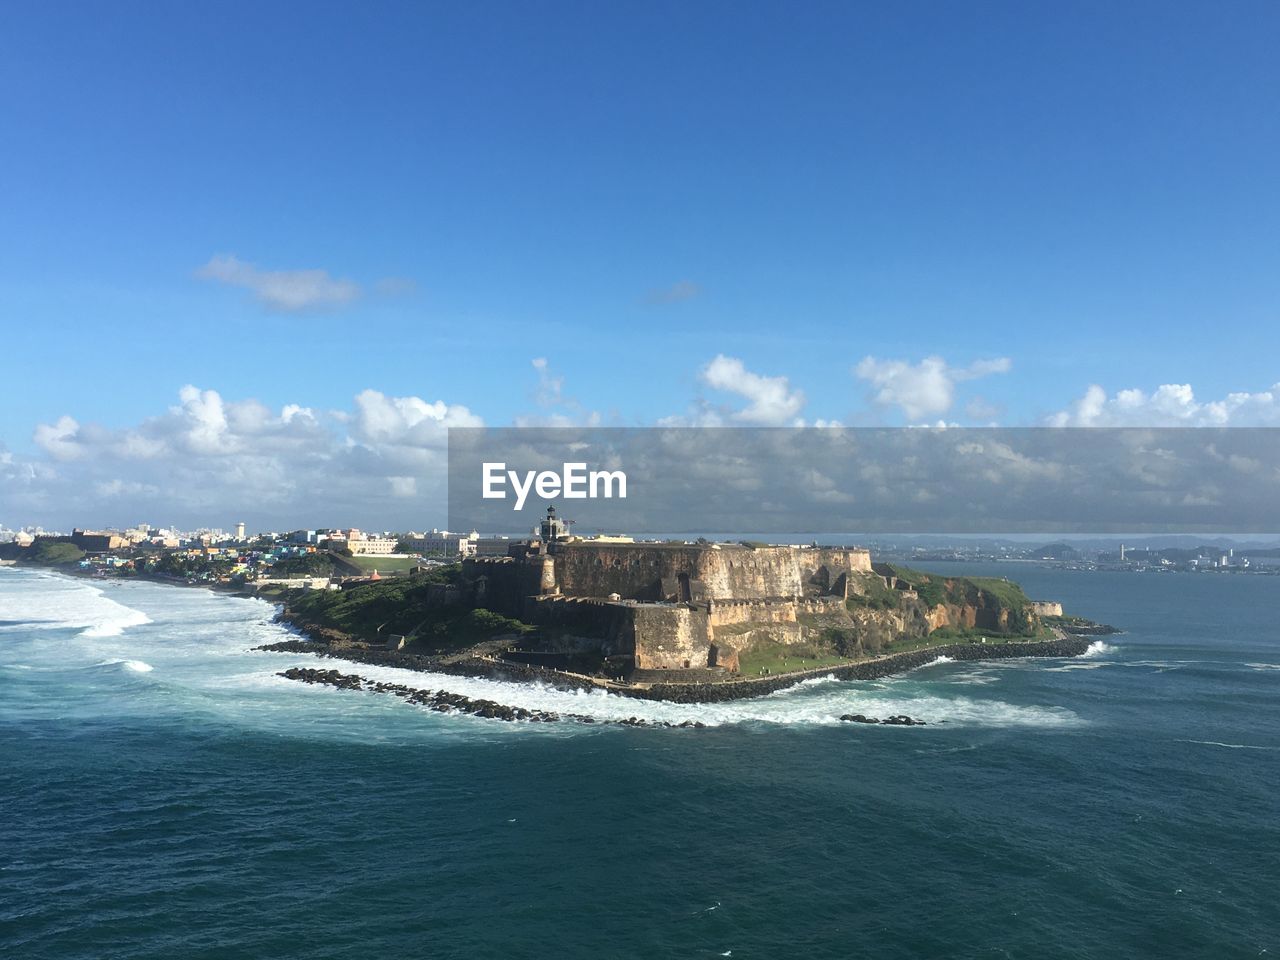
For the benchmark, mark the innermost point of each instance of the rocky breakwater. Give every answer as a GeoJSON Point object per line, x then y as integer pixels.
{"type": "Point", "coordinates": [444, 701]}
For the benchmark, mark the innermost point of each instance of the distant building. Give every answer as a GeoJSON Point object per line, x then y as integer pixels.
{"type": "Point", "coordinates": [372, 546]}
{"type": "Point", "coordinates": [493, 546]}
{"type": "Point", "coordinates": [97, 541]}
{"type": "Point", "coordinates": [442, 543]}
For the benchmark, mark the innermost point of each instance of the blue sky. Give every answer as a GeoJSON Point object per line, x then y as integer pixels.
{"type": "Point", "coordinates": [707, 212]}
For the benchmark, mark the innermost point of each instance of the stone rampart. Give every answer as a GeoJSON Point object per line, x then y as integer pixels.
{"type": "Point", "coordinates": [719, 572]}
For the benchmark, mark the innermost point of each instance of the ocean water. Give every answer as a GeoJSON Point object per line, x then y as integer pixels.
{"type": "Point", "coordinates": [164, 794]}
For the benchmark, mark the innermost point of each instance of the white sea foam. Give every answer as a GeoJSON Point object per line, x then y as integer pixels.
{"type": "Point", "coordinates": [116, 622]}
{"type": "Point", "coordinates": [810, 703]}
{"type": "Point", "coordinates": [1229, 746]}
{"type": "Point", "coordinates": [1099, 648]}
{"type": "Point", "coordinates": [972, 679]}
{"type": "Point", "coordinates": [50, 603]}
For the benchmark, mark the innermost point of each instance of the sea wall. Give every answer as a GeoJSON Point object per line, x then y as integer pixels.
{"type": "Point", "coordinates": [863, 670]}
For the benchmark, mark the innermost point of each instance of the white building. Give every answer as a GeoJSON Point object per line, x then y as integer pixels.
{"type": "Point", "coordinates": [372, 546]}
{"type": "Point", "coordinates": [442, 543]}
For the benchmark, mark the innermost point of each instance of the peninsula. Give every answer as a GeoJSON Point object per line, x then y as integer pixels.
{"type": "Point", "coordinates": [691, 622]}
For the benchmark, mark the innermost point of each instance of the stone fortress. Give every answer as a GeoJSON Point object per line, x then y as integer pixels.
{"type": "Point", "coordinates": [669, 610]}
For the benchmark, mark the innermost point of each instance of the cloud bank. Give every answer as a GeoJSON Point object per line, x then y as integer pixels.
{"type": "Point", "coordinates": [1169, 405]}
{"type": "Point", "coordinates": [212, 461]}
{"type": "Point", "coordinates": [380, 461]}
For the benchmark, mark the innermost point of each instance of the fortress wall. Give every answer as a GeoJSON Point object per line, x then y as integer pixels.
{"type": "Point", "coordinates": [670, 637]}
{"type": "Point", "coordinates": [847, 559]}
{"type": "Point", "coordinates": [636, 571]}
{"type": "Point", "coordinates": [610, 623]}
{"type": "Point", "coordinates": [503, 585]}
{"type": "Point", "coordinates": [750, 573]}
{"type": "Point", "coordinates": [631, 572]}
{"type": "Point", "coordinates": [757, 611]}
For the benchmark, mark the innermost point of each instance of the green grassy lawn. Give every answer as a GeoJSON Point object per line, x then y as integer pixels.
{"type": "Point", "coordinates": [781, 658]}
{"type": "Point", "coordinates": [373, 611]}
{"type": "Point", "coordinates": [965, 634]}
{"type": "Point", "coordinates": [385, 564]}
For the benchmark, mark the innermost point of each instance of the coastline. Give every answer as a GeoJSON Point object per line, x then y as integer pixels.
{"type": "Point", "coordinates": [688, 693]}
{"type": "Point", "coordinates": [475, 663]}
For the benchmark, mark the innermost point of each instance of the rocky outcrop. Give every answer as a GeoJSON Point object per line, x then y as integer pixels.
{"type": "Point", "coordinates": [900, 720]}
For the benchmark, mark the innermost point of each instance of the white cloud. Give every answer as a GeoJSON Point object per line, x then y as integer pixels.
{"type": "Point", "coordinates": [922, 389]}
{"type": "Point", "coordinates": [59, 439]}
{"type": "Point", "coordinates": [410, 421]}
{"type": "Point", "coordinates": [679, 291]}
{"type": "Point", "coordinates": [1170, 405]}
{"type": "Point", "coordinates": [550, 386]}
{"type": "Point", "coordinates": [557, 409]}
{"type": "Point", "coordinates": [771, 401]}
{"type": "Point", "coordinates": [287, 290]}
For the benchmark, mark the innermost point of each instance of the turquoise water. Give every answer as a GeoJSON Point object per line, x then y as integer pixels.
{"type": "Point", "coordinates": [166, 795]}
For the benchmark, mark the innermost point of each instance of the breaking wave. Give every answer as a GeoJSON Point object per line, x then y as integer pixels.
{"type": "Point", "coordinates": [1230, 746]}
{"type": "Point", "coordinates": [135, 666]}
{"type": "Point", "coordinates": [116, 623]}
{"type": "Point", "coordinates": [63, 602]}
{"type": "Point", "coordinates": [1099, 648]}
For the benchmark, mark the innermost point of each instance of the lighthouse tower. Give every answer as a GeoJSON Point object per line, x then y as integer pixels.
{"type": "Point", "coordinates": [553, 528]}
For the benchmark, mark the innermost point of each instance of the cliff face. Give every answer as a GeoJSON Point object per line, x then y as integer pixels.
{"type": "Point", "coordinates": [975, 617]}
